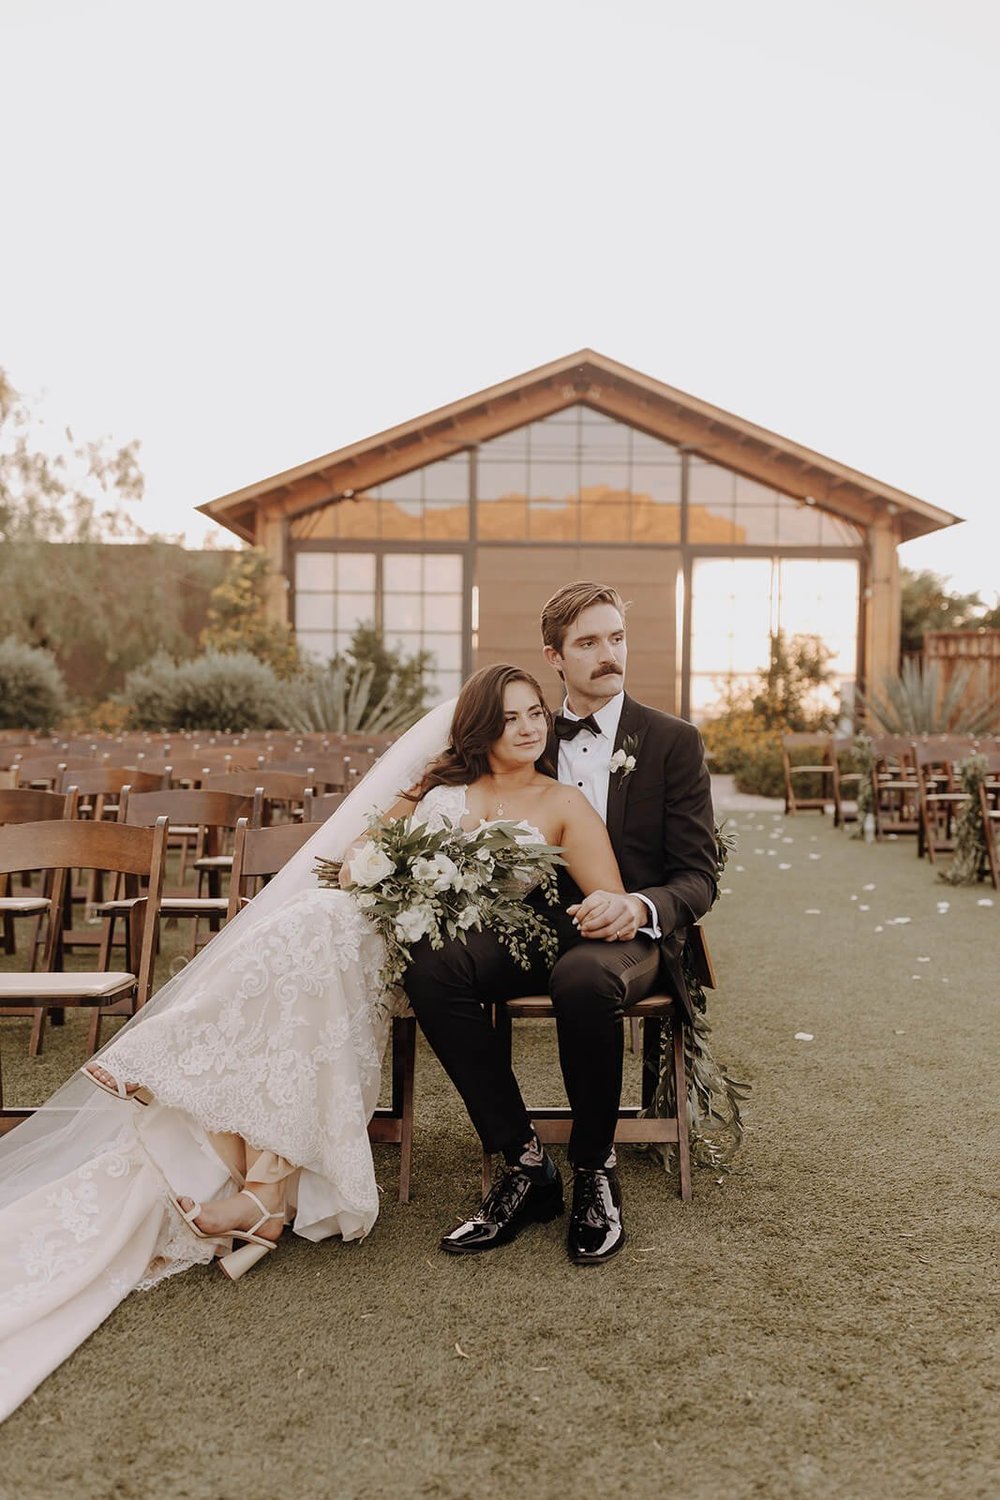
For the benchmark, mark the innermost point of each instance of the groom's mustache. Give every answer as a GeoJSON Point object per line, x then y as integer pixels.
{"type": "Point", "coordinates": [606, 672]}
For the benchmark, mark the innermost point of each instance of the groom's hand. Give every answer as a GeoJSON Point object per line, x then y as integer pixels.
{"type": "Point", "coordinates": [608, 916]}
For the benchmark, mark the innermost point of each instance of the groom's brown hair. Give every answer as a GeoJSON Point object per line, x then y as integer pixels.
{"type": "Point", "coordinates": [559, 612]}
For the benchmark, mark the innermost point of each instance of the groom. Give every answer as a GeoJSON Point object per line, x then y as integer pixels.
{"type": "Point", "coordinates": [644, 772]}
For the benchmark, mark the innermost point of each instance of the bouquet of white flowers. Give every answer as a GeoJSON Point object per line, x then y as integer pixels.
{"type": "Point", "coordinates": [412, 882]}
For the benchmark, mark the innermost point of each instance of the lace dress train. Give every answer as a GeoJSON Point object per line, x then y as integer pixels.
{"type": "Point", "coordinates": [279, 1042]}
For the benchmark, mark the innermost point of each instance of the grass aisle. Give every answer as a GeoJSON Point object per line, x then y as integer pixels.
{"type": "Point", "coordinates": [818, 1324]}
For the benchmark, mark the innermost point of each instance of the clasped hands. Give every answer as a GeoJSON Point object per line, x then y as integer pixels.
{"type": "Point", "coordinates": [608, 916]}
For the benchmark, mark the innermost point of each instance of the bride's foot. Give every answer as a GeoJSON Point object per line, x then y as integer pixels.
{"type": "Point", "coordinates": [263, 1213]}
{"type": "Point", "coordinates": [114, 1086]}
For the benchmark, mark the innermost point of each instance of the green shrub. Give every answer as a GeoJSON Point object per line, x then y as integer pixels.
{"type": "Point", "coordinates": [213, 691]}
{"type": "Point", "coordinates": [32, 691]}
{"type": "Point", "coordinates": [741, 748]}
{"type": "Point", "coordinates": [916, 702]}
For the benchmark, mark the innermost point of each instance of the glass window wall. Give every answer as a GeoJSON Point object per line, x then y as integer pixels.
{"type": "Point", "coordinates": [738, 603]}
{"type": "Point", "coordinates": [414, 598]}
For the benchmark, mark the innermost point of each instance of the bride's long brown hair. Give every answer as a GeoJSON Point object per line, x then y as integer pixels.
{"type": "Point", "coordinates": [477, 725]}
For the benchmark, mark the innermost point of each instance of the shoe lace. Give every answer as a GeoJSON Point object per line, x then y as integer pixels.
{"type": "Point", "coordinates": [500, 1194]}
{"type": "Point", "coordinates": [587, 1193]}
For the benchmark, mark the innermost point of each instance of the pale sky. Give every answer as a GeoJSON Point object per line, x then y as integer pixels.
{"type": "Point", "coordinates": [250, 233]}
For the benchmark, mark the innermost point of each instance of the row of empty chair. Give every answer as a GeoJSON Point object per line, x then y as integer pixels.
{"type": "Point", "coordinates": [916, 786]}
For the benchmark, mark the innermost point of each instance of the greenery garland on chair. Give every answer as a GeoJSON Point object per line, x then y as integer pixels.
{"type": "Point", "coordinates": [970, 857]}
{"type": "Point", "coordinates": [714, 1097]}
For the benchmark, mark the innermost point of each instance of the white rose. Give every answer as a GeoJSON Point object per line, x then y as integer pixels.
{"type": "Point", "coordinates": [468, 917]}
{"type": "Point", "coordinates": [414, 923]}
{"type": "Point", "coordinates": [370, 865]}
{"type": "Point", "coordinates": [472, 880]}
{"type": "Point", "coordinates": [366, 900]}
{"type": "Point", "coordinates": [441, 873]}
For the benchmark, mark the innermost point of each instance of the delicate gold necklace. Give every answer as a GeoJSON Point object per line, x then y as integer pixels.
{"type": "Point", "coordinates": [499, 811]}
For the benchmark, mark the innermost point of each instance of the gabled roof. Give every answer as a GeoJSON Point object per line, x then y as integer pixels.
{"type": "Point", "coordinates": [616, 390]}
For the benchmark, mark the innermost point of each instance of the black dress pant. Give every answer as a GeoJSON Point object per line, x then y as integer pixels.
{"type": "Point", "coordinates": [591, 983]}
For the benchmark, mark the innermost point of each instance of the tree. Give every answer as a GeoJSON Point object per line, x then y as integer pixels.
{"type": "Point", "coordinates": [796, 669]}
{"type": "Point", "coordinates": [238, 620]}
{"type": "Point", "coordinates": [927, 604]}
{"type": "Point", "coordinates": [60, 507]}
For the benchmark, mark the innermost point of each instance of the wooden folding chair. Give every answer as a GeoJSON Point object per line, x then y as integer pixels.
{"type": "Point", "coordinates": [261, 852]}
{"type": "Point", "coordinates": [44, 772]}
{"type": "Point", "coordinates": [57, 848]}
{"type": "Point", "coordinates": [895, 795]}
{"type": "Point", "coordinates": [939, 796]}
{"type": "Point", "coordinates": [26, 805]}
{"type": "Point", "coordinates": [317, 806]}
{"type": "Point", "coordinates": [283, 792]}
{"type": "Point", "coordinates": [553, 1124]}
{"type": "Point", "coordinates": [822, 768]}
{"type": "Point", "coordinates": [989, 806]}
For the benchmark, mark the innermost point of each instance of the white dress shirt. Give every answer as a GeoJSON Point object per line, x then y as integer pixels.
{"type": "Point", "coordinates": [585, 762]}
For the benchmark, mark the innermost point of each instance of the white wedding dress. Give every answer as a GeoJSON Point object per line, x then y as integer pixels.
{"type": "Point", "coordinates": [277, 1037]}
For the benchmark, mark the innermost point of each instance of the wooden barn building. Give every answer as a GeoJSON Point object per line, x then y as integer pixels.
{"type": "Point", "coordinates": [449, 532]}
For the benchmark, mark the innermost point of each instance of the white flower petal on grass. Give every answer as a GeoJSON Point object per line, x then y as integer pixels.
{"type": "Point", "coordinates": [863, 907]}
{"type": "Point", "coordinates": [758, 851]}
{"type": "Point", "coordinates": [899, 921]}
{"type": "Point", "coordinates": [922, 959]}
{"type": "Point", "coordinates": [943, 906]}
{"type": "Point", "coordinates": [740, 869]}
{"type": "Point", "coordinates": [916, 976]}
{"type": "Point", "coordinates": [813, 911]}
{"type": "Point", "coordinates": [815, 856]}
{"type": "Point", "coordinates": [787, 840]}
{"type": "Point", "coordinates": [984, 901]}
{"type": "Point", "coordinates": [784, 867]}
{"type": "Point", "coordinates": [854, 898]}
{"type": "Point", "coordinates": [867, 887]}
{"type": "Point", "coordinates": [878, 929]}
{"type": "Point", "coordinates": [803, 1036]}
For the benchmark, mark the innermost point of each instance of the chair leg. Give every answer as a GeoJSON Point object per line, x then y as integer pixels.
{"type": "Point", "coordinates": [37, 1033]}
{"type": "Point", "coordinates": [404, 1050]}
{"type": "Point", "coordinates": [683, 1126]}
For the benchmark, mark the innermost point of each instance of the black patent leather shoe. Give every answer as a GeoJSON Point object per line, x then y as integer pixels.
{"type": "Point", "coordinates": [513, 1202]}
{"type": "Point", "coordinates": [596, 1231]}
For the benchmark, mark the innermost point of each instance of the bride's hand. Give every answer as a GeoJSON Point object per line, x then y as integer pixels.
{"type": "Point", "coordinates": [609, 916]}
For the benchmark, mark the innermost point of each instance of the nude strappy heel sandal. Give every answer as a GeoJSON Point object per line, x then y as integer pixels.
{"type": "Point", "coordinates": [238, 1261]}
{"type": "Point", "coordinates": [140, 1095]}
{"type": "Point", "coordinates": [190, 1214]}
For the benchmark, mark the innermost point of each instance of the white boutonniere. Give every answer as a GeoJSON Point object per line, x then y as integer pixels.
{"type": "Point", "coordinates": [623, 760]}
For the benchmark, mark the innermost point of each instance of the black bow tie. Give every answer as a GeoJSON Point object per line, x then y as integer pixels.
{"type": "Point", "coordinates": [568, 729]}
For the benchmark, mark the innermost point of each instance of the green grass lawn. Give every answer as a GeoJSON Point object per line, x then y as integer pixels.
{"type": "Point", "coordinates": [815, 1324]}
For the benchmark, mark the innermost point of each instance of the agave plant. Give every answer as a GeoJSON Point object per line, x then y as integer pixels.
{"type": "Point", "coordinates": [339, 701]}
{"type": "Point", "coordinates": [914, 703]}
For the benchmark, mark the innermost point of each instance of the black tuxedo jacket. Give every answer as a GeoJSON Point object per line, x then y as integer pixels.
{"type": "Point", "coordinates": [662, 827]}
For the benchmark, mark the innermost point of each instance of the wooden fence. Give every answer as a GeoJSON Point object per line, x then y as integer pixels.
{"type": "Point", "coordinates": [975, 651]}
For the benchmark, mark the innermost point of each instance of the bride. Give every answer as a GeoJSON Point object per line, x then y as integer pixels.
{"type": "Point", "coordinates": [237, 1100]}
